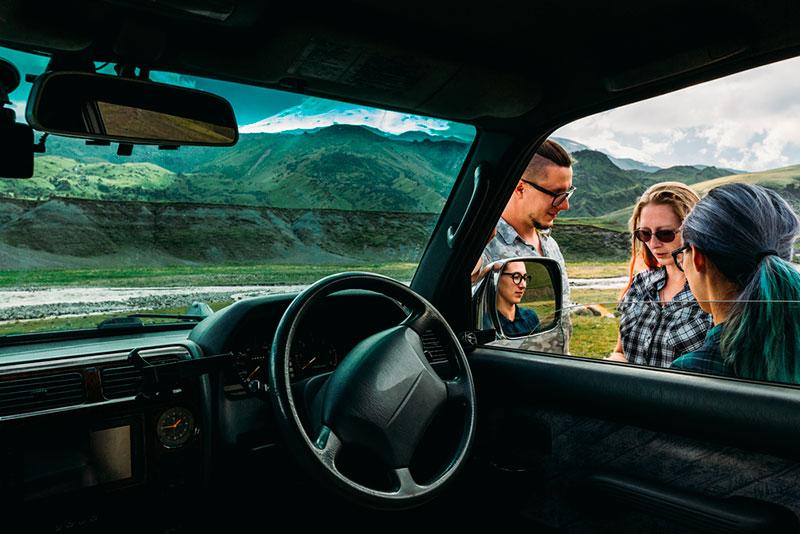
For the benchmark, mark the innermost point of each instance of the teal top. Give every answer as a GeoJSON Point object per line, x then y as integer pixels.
{"type": "Point", "coordinates": [708, 358]}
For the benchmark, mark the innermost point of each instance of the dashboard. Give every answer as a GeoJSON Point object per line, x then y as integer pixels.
{"type": "Point", "coordinates": [325, 335]}
{"type": "Point", "coordinates": [85, 423]}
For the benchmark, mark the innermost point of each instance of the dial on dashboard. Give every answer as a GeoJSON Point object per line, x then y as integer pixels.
{"type": "Point", "coordinates": [312, 354]}
{"type": "Point", "coordinates": [175, 427]}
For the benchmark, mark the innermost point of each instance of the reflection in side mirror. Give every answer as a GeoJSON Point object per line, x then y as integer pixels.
{"type": "Point", "coordinates": [126, 110]}
{"type": "Point", "coordinates": [520, 297]}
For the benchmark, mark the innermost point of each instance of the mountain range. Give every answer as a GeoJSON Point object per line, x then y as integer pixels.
{"type": "Point", "coordinates": [603, 187]}
{"type": "Point", "coordinates": [334, 167]}
{"type": "Point", "coordinates": [338, 193]}
{"type": "Point", "coordinates": [338, 167]}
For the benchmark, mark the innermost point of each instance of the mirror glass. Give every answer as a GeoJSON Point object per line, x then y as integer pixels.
{"type": "Point", "coordinates": [99, 106]}
{"type": "Point", "coordinates": [525, 301]}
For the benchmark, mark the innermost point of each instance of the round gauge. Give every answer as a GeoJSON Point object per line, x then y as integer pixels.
{"type": "Point", "coordinates": [250, 364]}
{"type": "Point", "coordinates": [312, 356]}
{"type": "Point", "coordinates": [175, 427]}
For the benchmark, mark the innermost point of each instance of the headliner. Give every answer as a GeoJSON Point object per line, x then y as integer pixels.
{"type": "Point", "coordinates": [516, 68]}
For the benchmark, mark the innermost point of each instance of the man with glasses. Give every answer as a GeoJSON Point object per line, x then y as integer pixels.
{"type": "Point", "coordinates": [542, 193]}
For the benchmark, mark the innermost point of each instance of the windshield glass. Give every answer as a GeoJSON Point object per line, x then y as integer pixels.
{"type": "Point", "coordinates": [312, 187]}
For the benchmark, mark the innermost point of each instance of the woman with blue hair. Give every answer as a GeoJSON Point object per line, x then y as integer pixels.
{"type": "Point", "coordinates": [738, 244]}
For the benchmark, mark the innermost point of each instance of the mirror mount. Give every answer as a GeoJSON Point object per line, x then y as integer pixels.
{"type": "Point", "coordinates": [40, 148]}
{"type": "Point", "coordinates": [130, 71]}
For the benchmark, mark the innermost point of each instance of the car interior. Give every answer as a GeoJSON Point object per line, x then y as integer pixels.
{"type": "Point", "coordinates": [363, 399]}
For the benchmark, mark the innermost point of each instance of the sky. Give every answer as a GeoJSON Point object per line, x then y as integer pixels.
{"type": "Point", "coordinates": [748, 121]}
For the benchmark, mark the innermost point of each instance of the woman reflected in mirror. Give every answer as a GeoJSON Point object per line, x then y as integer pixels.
{"type": "Point", "coordinates": [737, 252]}
{"type": "Point", "coordinates": [515, 320]}
{"type": "Point", "coordinates": [660, 319]}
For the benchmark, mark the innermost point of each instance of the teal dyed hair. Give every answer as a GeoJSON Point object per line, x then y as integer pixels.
{"type": "Point", "coordinates": [748, 233]}
{"type": "Point", "coordinates": [762, 335]}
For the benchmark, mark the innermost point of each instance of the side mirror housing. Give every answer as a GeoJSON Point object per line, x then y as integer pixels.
{"type": "Point", "coordinates": [519, 297]}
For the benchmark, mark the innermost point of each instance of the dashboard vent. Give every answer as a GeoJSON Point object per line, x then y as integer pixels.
{"type": "Point", "coordinates": [126, 380]}
{"type": "Point", "coordinates": [432, 345]}
{"type": "Point", "coordinates": [33, 394]}
{"type": "Point", "coordinates": [120, 382]}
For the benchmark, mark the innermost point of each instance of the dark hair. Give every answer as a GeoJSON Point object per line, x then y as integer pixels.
{"type": "Point", "coordinates": [554, 152]}
{"type": "Point", "coordinates": [748, 233]}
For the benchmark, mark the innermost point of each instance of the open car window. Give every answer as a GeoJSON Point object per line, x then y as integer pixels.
{"type": "Point", "coordinates": [312, 187]}
{"type": "Point", "coordinates": [639, 172]}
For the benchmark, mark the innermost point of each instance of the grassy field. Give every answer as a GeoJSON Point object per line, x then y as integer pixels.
{"type": "Point", "coordinates": [250, 274]}
{"type": "Point", "coordinates": [177, 276]}
{"type": "Point", "coordinates": [91, 321]}
{"type": "Point", "coordinates": [595, 331]}
{"type": "Point", "coordinates": [607, 223]}
{"type": "Point", "coordinates": [592, 336]}
{"type": "Point", "coordinates": [588, 269]}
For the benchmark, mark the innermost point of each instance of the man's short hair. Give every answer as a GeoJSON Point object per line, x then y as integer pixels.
{"type": "Point", "coordinates": [554, 152]}
{"type": "Point", "coordinates": [549, 153]}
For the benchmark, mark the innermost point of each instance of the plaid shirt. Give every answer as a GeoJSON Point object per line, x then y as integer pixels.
{"type": "Point", "coordinates": [656, 335]}
{"type": "Point", "coordinates": [707, 359]}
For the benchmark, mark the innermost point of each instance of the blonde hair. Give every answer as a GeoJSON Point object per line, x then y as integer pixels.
{"type": "Point", "coordinates": [674, 194]}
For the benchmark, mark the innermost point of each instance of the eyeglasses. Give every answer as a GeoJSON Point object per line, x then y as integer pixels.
{"type": "Point", "coordinates": [517, 278]}
{"type": "Point", "coordinates": [677, 256]}
{"type": "Point", "coordinates": [558, 198]}
{"type": "Point", "coordinates": [665, 236]}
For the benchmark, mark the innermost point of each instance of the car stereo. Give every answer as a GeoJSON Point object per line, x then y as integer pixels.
{"type": "Point", "coordinates": [41, 462]}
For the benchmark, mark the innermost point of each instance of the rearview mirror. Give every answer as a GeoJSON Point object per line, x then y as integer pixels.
{"type": "Point", "coordinates": [98, 106]}
{"type": "Point", "coordinates": [519, 297]}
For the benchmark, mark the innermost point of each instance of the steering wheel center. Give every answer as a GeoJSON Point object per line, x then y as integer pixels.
{"type": "Point", "coordinates": [384, 395]}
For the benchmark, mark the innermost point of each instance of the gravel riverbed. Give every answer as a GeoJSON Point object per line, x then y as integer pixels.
{"type": "Point", "coordinates": [36, 303]}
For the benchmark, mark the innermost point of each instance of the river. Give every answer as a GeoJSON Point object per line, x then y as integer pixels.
{"type": "Point", "coordinates": [34, 303]}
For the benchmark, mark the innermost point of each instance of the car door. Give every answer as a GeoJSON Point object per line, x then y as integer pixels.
{"type": "Point", "coordinates": [589, 445]}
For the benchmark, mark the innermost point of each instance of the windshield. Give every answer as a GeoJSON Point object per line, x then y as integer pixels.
{"type": "Point", "coordinates": [312, 187]}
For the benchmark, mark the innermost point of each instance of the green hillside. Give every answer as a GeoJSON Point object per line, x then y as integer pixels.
{"type": "Point", "coordinates": [68, 232]}
{"type": "Point", "coordinates": [603, 187]}
{"type": "Point", "coordinates": [785, 180]}
{"type": "Point", "coordinates": [337, 194]}
{"type": "Point", "coordinates": [339, 167]}
{"type": "Point", "coordinates": [687, 174]}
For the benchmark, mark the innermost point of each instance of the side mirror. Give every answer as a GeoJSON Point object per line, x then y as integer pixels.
{"type": "Point", "coordinates": [519, 297]}
{"type": "Point", "coordinates": [126, 110]}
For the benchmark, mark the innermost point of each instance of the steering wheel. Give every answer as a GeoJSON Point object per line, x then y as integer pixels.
{"type": "Point", "coordinates": [382, 396]}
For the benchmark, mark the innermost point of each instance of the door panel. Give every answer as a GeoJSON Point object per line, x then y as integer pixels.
{"type": "Point", "coordinates": [597, 446]}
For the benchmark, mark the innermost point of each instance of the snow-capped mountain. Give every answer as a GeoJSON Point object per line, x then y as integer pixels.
{"type": "Point", "coordinates": [315, 113]}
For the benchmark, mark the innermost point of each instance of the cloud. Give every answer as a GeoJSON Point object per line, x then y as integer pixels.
{"type": "Point", "coordinates": [750, 120]}
{"type": "Point", "coordinates": [320, 113]}
{"type": "Point", "coordinates": [19, 108]}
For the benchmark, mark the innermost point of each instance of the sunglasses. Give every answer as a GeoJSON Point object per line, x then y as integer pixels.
{"type": "Point", "coordinates": [558, 198]}
{"type": "Point", "coordinates": [517, 278]}
{"type": "Point", "coordinates": [665, 236]}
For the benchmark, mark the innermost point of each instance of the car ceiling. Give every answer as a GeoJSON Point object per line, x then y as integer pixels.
{"type": "Point", "coordinates": [516, 66]}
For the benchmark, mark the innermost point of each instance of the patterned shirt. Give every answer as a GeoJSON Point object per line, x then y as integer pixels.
{"type": "Point", "coordinates": [707, 359]}
{"type": "Point", "coordinates": [507, 243]}
{"type": "Point", "coordinates": [654, 334]}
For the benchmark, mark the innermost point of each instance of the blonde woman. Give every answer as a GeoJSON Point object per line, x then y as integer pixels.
{"type": "Point", "coordinates": [660, 318]}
